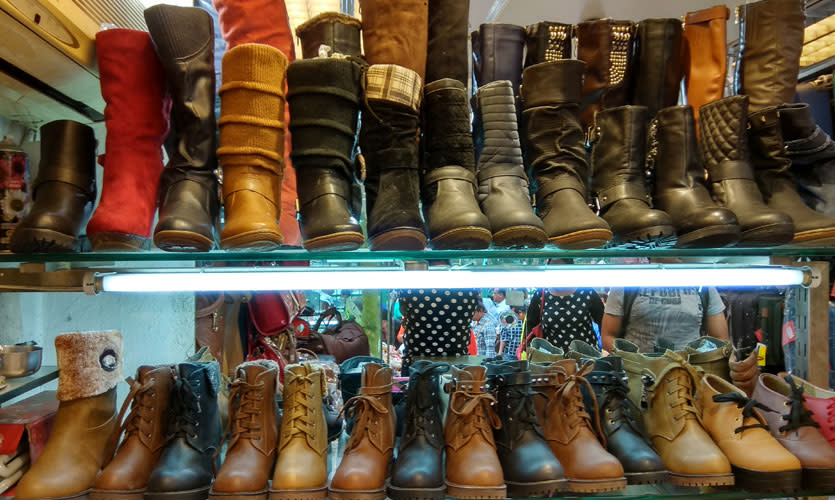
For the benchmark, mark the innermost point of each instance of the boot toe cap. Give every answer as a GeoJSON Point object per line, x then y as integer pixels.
{"type": "Point", "coordinates": [418, 468]}
{"type": "Point", "coordinates": [173, 479]}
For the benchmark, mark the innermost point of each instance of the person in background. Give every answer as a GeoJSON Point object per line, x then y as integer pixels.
{"type": "Point", "coordinates": [511, 333]}
{"type": "Point", "coordinates": [486, 331]}
{"type": "Point", "coordinates": [566, 315]}
{"type": "Point", "coordinates": [496, 304]}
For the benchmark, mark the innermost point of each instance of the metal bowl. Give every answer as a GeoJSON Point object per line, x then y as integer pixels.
{"type": "Point", "coordinates": [20, 360]}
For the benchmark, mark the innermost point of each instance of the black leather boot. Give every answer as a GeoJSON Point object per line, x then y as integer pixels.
{"type": "Point", "coordinates": [618, 179]}
{"type": "Point", "coordinates": [186, 467]}
{"type": "Point", "coordinates": [446, 55]}
{"type": "Point", "coordinates": [324, 94]}
{"type": "Point", "coordinates": [530, 467]}
{"type": "Point", "coordinates": [659, 64]}
{"type": "Point", "coordinates": [341, 34]}
{"type": "Point", "coordinates": [63, 192]}
{"type": "Point", "coordinates": [418, 472]}
{"type": "Point", "coordinates": [188, 192]}
{"type": "Point", "coordinates": [448, 191]}
{"type": "Point", "coordinates": [811, 151]}
{"type": "Point", "coordinates": [724, 148]}
{"type": "Point", "coordinates": [547, 41]}
{"type": "Point", "coordinates": [497, 54]}
{"type": "Point", "coordinates": [679, 182]}
{"type": "Point", "coordinates": [772, 168]}
{"type": "Point", "coordinates": [554, 145]}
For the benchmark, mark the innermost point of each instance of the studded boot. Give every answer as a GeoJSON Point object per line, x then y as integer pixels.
{"type": "Point", "coordinates": [547, 41]}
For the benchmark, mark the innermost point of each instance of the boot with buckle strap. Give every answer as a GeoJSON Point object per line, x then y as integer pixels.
{"type": "Point", "coordinates": [821, 402]}
{"type": "Point", "coordinates": [711, 355]}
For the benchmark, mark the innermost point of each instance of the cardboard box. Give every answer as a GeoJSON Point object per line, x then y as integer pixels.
{"type": "Point", "coordinates": [27, 423]}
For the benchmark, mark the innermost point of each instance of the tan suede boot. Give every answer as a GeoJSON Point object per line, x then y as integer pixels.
{"type": "Point", "coordinates": [744, 372]}
{"type": "Point", "coordinates": [542, 351]}
{"type": "Point", "coordinates": [711, 355]}
{"type": "Point", "coordinates": [396, 33]}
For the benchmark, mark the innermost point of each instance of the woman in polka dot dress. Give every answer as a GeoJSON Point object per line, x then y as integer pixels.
{"type": "Point", "coordinates": [437, 322]}
{"type": "Point", "coordinates": [568, 315]}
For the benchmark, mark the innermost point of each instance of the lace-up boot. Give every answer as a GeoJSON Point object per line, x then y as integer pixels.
{"type": "Point", "coordinates": [301, 472]}
{"type": "Point", "coordinates": [185, 468]}
{"type": "Point", "coordinates": [737, 426]}
{"type": "Point", "coordinates": [821, 403]}
{"type": "Point", "coordinates": [542, 351]}
{"type": "Point", "coordinates": [711, 355]}
{"type": "Point", "coordinates": [473, 469]}
{"type": "Point", "coordinates": [418, 473]}
{"type": "Point", "coordinates": [252, 432]}
{"type": "Point", "coordinates": [792, 424]}
{"type": "Point", "coordinates": [126, 476]}
{"type": "Point", "coordinates": [367, 458]}
{"type": "Point", "coordinates": [572, 433]}
{"type": "Point", "coordinates": [529, 466]}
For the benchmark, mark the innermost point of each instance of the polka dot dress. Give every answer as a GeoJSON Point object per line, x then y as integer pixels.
{"type": "Point", "coordinates": [437, 322]}
{"type": "Point", "coordinates": [567, 318]}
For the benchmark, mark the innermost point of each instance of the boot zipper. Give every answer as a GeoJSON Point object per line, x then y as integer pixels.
{"type": "Point", "coordinates": [652, 153]}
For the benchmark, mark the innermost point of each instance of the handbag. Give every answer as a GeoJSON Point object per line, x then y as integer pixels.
{"type": "Point", "coordinates": [272, 323]}
{"type": "Point", "coordinates": [535, 331]}
{"type": "Point", "coordinates": [345, 340]}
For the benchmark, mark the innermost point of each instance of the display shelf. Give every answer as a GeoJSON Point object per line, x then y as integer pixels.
{"type": "Point", "coordinates": [17, 386]}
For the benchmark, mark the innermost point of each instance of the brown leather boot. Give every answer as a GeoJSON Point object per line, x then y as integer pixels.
{"type": "Point", "coordinates": [89, 367]}
{"type": "Point", "coordinates": [792, 424]}
{"type": "Point", "coordinates": [568, 427]}
{"type": "Point", "coordinates": [737, 426]}
{"type": "Point", "coordinates": [301, 472]}
{"type": "Point", "coordinates": [473, 469]}
{"type": "Point", "coordinates": [705, 56]}
{"type": "Point", "coordinates": [366, 462]}
{"type": "Point", "coordinates": [126, 476]}
{"type": "Point", "coordinates": [396, 33]}
{"type": "Point", "coordinates": [252, 432]}
{"type": "Point", "coordinates": [744, 372]}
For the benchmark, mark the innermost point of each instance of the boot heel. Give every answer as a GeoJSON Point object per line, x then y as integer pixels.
{"type": "Point", "coordinates": [118, 242]}
{"type": "Point", "coordinates": [769, 482]}
{"type": "Point", "coordinates": [26, 240]}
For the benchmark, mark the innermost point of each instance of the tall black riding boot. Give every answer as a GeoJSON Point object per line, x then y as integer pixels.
{"type": "Point", "coordinates": [449, 189]}
{"type": "Point", "coordinates": [497, 54]}
{"type": "Point", "coordinates": [679, 182]}
{"type": "Point", "coordinates": [325, 96]}
{"type": "Point", "coordinates": [446, 54]}
{"type": "Point", "coordinates": [188, 193]}
{"type": "Point", "coordinates": [619, 181]}
{"type": "Point", "coordinates": [339, 32]}
{"type": "Point", "coordinates": [547, 41]}
{"type": "Point", "coordinates": [63, 192]}
{"type": "Point", "coordinates": [724, 148]}
{"type": "Point", "coordinates": [659, 64]}
{"type": "Point", "coordinates": [811, 151]}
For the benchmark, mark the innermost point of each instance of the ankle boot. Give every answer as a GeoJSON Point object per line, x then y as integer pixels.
{"type": "Point", "coordinates": [251, 146]}
{"type": "Point", "coordinates": [744, 370]}
{"type": "Point", "coordinates": [529, 466]}
{"type": "Point", "coordinates": [418, 472]}
{"type": "Point", "coordinates": [188, 201]}
{"type": "Point", "coordinates": [365, 464]}
{"type": "Point", "coordinates": [339, 32]}
{"type": "Point", "coordinates": [302, 469]}
{"type": "Point", "coordinates": [452, 214]}
{"type": "Point", "coordinates": [252, 431]}
{"type": "Point", "coordinates": [133, 86]}
{"type": "Point", "coordinates": [705, 56]}
{"type": "Point", "coordinates": [724, 147]}
{"type": "Point", "coordinates": [771, 39]}
{"type": "Point", "coordinates": [633, 361]}
{"type": "Point", "coordinates": [821, 402]}
{"type": "Point", "coordinates": [607, 48]}
{"type": "Point", "coordinates": [502, 184]}
{"type": "Point", "coordinates": [446, 54]}
{"type": "Point", "coordinates": [579, 350]}
{"type": "Point", "coordinates": [711, 355]}
{"type": "Point", "coordinates": [658, 64]}
{"type": "Point", "coordinates": [185, 468]}
{"type": "Point", "coordinates": [388, 139]}
{"type": "Point", "coordinates": [618, 179]}
{"type": "Point", "coordinates": [473, 469]}
{"type": "Point", "coordinates": [497, 54]}
{"type": "Point", "coordinates": [89, 367]}
{"type": "Point", "coordinates": [568, 427]}
{"type": "Point", "coordinates": [555, 149]}
{"type": "Point", "coordinates": [811, 151]}
{"type": "Point", "coordinates": [396, 34]}
{"type": "Point", "coordinates": [774, 177]}
{"type": "Point", "coordinates": [325, 96]}
{"type": "Point", "coordinates": [737, 426]}
{"type": "Point", "coordinates": [790, 421]}
{"type": "Point", "coordinates": [542, 351]}
{"type": "Point", "coordinates": [126, 475]}
{"type": "Point", "coordinates": [679, 182]}
{"type": "Point", "coordinates": [547, 41]}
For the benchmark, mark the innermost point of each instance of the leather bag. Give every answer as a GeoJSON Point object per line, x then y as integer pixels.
{"type": "Point", "coordinates": [535, 331]}
{"type": "Point", "coordinates": [210, 323]}
{"type": "Point", "coordinates": [345, 340]}
{"type": "Point", "coordinates": [272, 323]}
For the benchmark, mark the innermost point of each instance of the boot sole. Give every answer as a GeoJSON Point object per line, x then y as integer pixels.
{"type": "Point", "coordinates": [539, 489]}
{"type": "Point", "coordinates": [466, 492]}
{"type": "Point", "coordinates": [396, 493]}
{"type": "Point", "coordinates": [596, 485]}
{"type": "Point", "coordinates": [254, 241]}
{"type": "Point", "coordinates": [768, 482]}
{"type": "Point", "coordinates": [646, 477]}
{"type": "Point", "coordinates": [520, 237]}
{"type": "Point", "coordinates": [182, 241]}
{"type": "Point", "coordinates": [97, 494]}
{"type": "Point", "coordinates": [36, 240]}
{"type": "Point", "coordinates": [462, 238]}
{"type": "Point", "coordinates": [581, 240]}
{"type": "Point", "coordinates": [818, 479]}
{"type": "Point", "coordinates": [118, 242]}
{"type": "Point", "coordinates": [710, 237]}
{"type": "Point", "coordinates": [406, 238]}
{"type": "Point", "coordinates": [815, 237]}
{"type": "Point", "coordinates": [312, 494]}
{"type": "Point", "coordinates": [701, 479]}
{"type": "Point", "coordinates": [195, 494]}
{"type": "Point", "coordinates": [357, 494]}
{"type": "Point", "coordinates": [653, 237]}
{"type": "Point", "coordinates": [84, 495]}
{"type": "Point", "coordinates": [241, 495]}
{"type": "Point", "coordinates": [347, 240]}
{"type": "Point", "coordinates": [767, 236]}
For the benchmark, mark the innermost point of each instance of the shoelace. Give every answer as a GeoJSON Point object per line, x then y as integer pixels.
{"type": "Point", "coordinates": [185, 407]}
{"type": "Point", "coordinates": [140, 400]}
{"type": "Point", "coordinates": [477, 412]}
{"type": "Point", "coordinates": [420, 403]}
{"type": "Point", "coordinates": [616, 400]}
{"type": "Point", "coordinates": [570, 398]}
{"type": "Point", "coordinates": [302, 404]}
{"type": "Point", "coordinates": [747, 404]}
{"type": "Point", "coordinates": [799, 416]}
{"type": "Point", "coordinates": [680, 376]}
{"type": "Point", "coordinates": [366, 410]}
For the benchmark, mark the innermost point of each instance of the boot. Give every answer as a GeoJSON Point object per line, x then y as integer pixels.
{"type": "Point", "coordinates": [771, 39]}
{"type": "Point", "coordinates": [89, 367]}
{"type": "Point", "coordinates": [497, 54]}
{"type": "Point", "coordinates": [388, 139]}
{"type": "Point", "coordinates": [185, 468]}
{"type": "Point", "coordinates": [473, 469]}
{"type": "Point", "coordinates": [396, 34]}
{"type": "Point", "coordinates": [790, 421]}
{"type": "Point", "coordinates": [502, 184]}
{"type": "Point", "coordinates": [606, 46]}
{"type": "Point", "coordinates": [325, 96]}
{"type": "Point", "coordinates": [542, 351]}
{"type": "Point", "coordinates": [633, 362]}
{"type": "Point", "coordinates": [188, 201]}
{"type": "Point", "coordinates": [446, 55]}
{"type": "Point", "coordinates": [364, 468]}
{"type": "Point", "coordinates": [744, 371]}
{"type": "Point", "coordinates": [449, 203]}
{"type": "Point", "coordinates": [547, 41]}
{"type": "Point", "coordinates": [568, 428]}
{"type": "Point", "coordinates": [724, 150]}
{"type": "Point", "coordinates": [617, 163]}
{"type": "Point", "coordinates": [251, 142]}
{"type": "Point", "coordinates": [137, 112]}
{"type": "Point", "coordinates": [680, 188]}
{"type": "Point", "coordinates": [252, 431]}
{"type": "Point", "coordinates": [126, 475]}
{"type": "Point", "coordinates": [418, 472]}
{"type": "Point", "coordinates": [339, 32]}
{"type": "Point", "coordinates": [821, 402]}
{"type": "Point", "coordinates": [735, 423]}
{"type": "Point", "coordinates": [658, 64]}
{"type": "Point", "coordinates": [63, 192]}
{"type": "Point", "coordinates": [579, 350]}
{"type": "Point", "coordinates": [705, 56]}
{"type": "Point", "coordinates": [711, 355]}
{"type": "Point", "coordinates": [555, 149]}
{"type": "Point", "coordinates": [774, 177]}
{"type": "Point", "coordinates": [811, 151]}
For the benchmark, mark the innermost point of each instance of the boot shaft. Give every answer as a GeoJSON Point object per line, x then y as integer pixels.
{"type": "Point", "coordinates": [542, 351]}
{"type": "Point", "coordinates": [68, 155]}
{"type": "Point", "coordinates": [510, 383]}
{"type": "Point", "coordinates": [395, 33]}
{"type": "Point", "coordinates": [194, 411]}
{"type": "Point", "coordinates": [724, 132]}
{"type": "Point", "coordinates": [423, 405]}
{"type": "Point", "coordinates": [711, 355]}
{"type": "Point", "coordinates": [302, 416]}
{"type": "Point", "coordinates": [471, 413]}
{"type": "Point", "coordinates": [375, 419]}
{"type": "Point", "coordinates": [705, 61]}
{"type": "Point", "coordinates": [338, 32]}
{"type": "Point", "coordinates": [497, 54]}
{"type": "Point", "coordinates": [673, 151]}
{"type": "Point", "coordinates": [446, 55]}
{"type": "Point", "coordinates": [253, 412]}
{"type": "Point", "coordinates": [447, 139]}
{"type": "Point", "coordinates": [547, 41]}
{"type": "Point", "coordinates": [148, 401]}
{"type": "Point", "coordinates": [618, 153]}
{"type": "Point", "coordinates": [658, 69]}
{"type": "Point", "coordinates": [496, 125]}
{"type": "Point", "coordinates": [765, 138]}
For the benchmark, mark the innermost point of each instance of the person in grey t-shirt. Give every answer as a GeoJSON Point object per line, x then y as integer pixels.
{"type": "Point", "coordinates": [673, 313]}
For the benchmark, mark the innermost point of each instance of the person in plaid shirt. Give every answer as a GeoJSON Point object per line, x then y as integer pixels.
{"type": "Point", "coordinates": [511, 334]}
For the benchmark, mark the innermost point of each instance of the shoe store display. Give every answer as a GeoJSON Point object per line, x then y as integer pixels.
{"type": "Point", "coordinates": [711, 355]}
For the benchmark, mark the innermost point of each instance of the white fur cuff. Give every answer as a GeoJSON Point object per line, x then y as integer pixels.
{"type": "Point", "coordinates": [89, 363]}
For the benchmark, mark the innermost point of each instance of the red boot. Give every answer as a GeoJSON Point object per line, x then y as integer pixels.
{"type": "Point", "coordinates": [822, 404]}
{"type": "Point", "coordinates": [136, 116]}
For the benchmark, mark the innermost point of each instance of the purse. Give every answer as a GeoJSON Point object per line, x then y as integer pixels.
{"type": "Point", "coordinates": [345, 340]}
{"type": "Point", "coordinates": [535, 331]}
{"type": "Point", "coordinates": [272, 323]}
